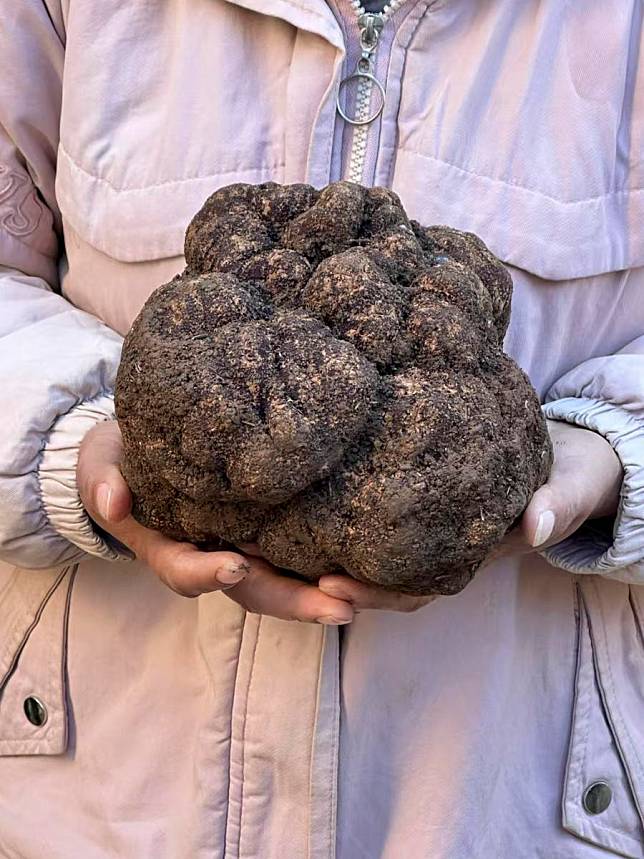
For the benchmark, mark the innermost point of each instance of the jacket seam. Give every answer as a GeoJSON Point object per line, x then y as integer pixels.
{"type": "Point", "coordinates": [637, 615]}
{"type": "Point", "coordinates": [65, 703]}
{"type": "Point", "coordinates": [243, 738]}
{"type": "Point", "coordinates": [23, 638]}
{"type": "Point", "coordinates": [580, 719]}
{"type": "Point", "coordinates": [572, 765]}
{"type": "Point", "coordinates": [595, 824]}
{"type": "Point", "coordinates": [307, 10]}
{"type": "Point", "coordinates": [586, 828]}
{"type": "Point", "coordinates": [421, 9]}
{"type": "Point", "coordinates": [513, 183]}
{"type": "Point", "coordinates": [330, 837]}
{"type": "Point", "coordinates": [169, 182]}
{"type": "Point", "coordinates": [230, 722]}
{"type": "Point", "coordinates": [314, 736]}
{"type": "Point", "coordinates": [590, 681]}
{"type": "Point", "coordinates": [333, 821]}
{"type": "Point", "coordinates": [404, 46]}
{"type": "Point", "coordinates": [616, 708]}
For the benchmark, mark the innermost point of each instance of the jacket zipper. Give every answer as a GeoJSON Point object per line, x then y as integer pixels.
{"type": "Point", "coordinates": [370, 26]}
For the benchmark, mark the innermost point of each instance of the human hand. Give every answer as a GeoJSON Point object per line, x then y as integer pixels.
{"type": "Point", "coordinates": [250, 581]}
{"type": "Point", "coordinates": [359, 595]}
{"type": "Point", "coordinates": [584, 483]}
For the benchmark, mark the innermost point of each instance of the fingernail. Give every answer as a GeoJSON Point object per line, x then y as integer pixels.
{"type": "Point", "coordinates": [232, 574]}
{"type": "Point", "coordinates": [545, 527]}
{"type": "Point", "coordinates": [103, 499]}
{"type": "Point", "coordinates": [331, 620]}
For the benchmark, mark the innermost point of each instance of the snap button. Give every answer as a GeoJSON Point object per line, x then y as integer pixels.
{"type": "Point", "coordinates": [35, 711]}
{"type": "Point", "coordinates": [597, 797]}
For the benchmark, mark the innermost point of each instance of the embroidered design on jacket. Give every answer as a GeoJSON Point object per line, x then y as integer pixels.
{"type": "Point", "coordinates": [20, 210]}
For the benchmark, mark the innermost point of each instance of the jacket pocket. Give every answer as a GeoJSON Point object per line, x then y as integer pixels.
{"type": "Point", "coordinates": [603, 797]}
{"type": "Point", "coordinates": [34, 610]}
{"type": "Point", "coordinates": [143, 223]}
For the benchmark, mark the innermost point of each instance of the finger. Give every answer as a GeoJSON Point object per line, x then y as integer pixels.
{"type": "Point", "coordinates": [585, 482]}
{"type": "Point", "coordinates": [266, 591]}
{"type": "Point", "coordinates": [552, 514]}
{"type": "Point", "coordinates": [181, 566]}
{"type": "Point", "coordinates": [365, 596]}
{"type": "Point", "coordinates": [539, 519]}
{"type": "Point", "coordinates": [191, 572]}
{"type": "Point", "coordinates": [100, 483]}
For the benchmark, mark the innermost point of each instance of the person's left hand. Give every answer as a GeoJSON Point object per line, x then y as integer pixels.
{"type": "Point", "coordinates": [584, 483]}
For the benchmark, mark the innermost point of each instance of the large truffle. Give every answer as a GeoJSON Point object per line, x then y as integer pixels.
{"type": "Point", "coordinates": [326, 378]}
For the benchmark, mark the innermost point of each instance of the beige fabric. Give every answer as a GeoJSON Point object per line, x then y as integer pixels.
{"type": "Point", "coordinates": [185, 729]}
{"type": "Point", "coordinates": [35, 608]}
{"type": "Point", "coordinates": [223, 728]}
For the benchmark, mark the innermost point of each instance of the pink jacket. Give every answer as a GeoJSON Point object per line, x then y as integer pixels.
{"type": "Point", "coordinates": [135, 723]}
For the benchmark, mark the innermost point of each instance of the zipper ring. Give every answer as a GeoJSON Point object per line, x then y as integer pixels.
{"type": "Point", "coordinates": [357, 75]}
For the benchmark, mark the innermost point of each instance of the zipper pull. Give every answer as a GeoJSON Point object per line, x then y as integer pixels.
{"type": "Point", "coordinates": [370, 25]}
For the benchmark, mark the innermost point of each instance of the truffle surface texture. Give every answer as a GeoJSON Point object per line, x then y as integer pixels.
{"type": "Point", "coordinates": [327, 379]}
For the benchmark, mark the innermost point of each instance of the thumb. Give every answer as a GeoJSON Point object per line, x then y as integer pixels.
{"type": "Point", "coordinates": [101, 485]}
{"type": "Point", "coordinates": [551, 514]}
{"type": "Point", "coordinates": [113, 498]}
{"type": "Point", "coordinates": [585, 482]}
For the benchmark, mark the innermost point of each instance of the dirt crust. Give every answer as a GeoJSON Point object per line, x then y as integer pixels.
{"type": "Point", "coordinates": [326, 378]}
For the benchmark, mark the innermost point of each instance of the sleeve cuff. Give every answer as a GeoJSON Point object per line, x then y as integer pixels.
{"type": "Point", "coordinates": [615, 552]}
{"type": "Point", "coordinates": [57, 475]}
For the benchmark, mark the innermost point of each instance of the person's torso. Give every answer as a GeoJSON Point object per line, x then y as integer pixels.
{"type": "Point", "coordinates": [511, 119]}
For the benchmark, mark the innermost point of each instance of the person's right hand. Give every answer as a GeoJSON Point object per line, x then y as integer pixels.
{"type": "Point", "coordinates": [250, 581]}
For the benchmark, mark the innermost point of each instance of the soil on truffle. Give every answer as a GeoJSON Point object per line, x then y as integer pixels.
{"type": "Point", "coordinates": [327, 379]}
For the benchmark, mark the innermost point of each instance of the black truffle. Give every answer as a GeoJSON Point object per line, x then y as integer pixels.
{"type": "Point", "coordinates": [327, 379]}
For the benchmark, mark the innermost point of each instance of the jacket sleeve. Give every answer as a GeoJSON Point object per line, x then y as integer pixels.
{"type": "Point", "coordinates": [57, 363]}
{"type": "Point", "coordinates": [607, 395]}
